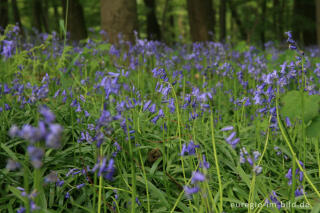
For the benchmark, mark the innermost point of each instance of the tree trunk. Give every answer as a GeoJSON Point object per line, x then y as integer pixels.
{"type": "Point", "coordinates": [237, 20]}
{"type": "Point", "coordinates": [222, 20]}
{"type": "Point", "coordinates": [275, 13]}
{"type": "Point", "coordinates": [200, 19]}
{"type": "Point", "coordinates": [37, 14]}
{"type": "Point", "coordinates": [304, 24]}
{"type": "Point", "coordinates": [45, 16]}
{"type": "Point", "coordinates": [153, 29]}
{"type": "Point", "coordinates": [263, 22]}
{"type": "Point", "coordinates": [4, 16]}
{"type": "Point", "coordinates": [167, 26]}
{"type": "Point", "coordinates": [56, 15]}
{"type": "Point", "coordinates": [75, 19]}
{"type": "Point", "coordinates": [119, 16]}
{"type": "Point", "coordinates": [16, 15]}
{"type": "Point", "coordinates": [318, 21]}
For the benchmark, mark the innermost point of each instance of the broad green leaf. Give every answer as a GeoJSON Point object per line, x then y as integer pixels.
{"type": "Point", "coordinates": [314, 129]}
{"type": "Point", "coordinates": [292, 106]}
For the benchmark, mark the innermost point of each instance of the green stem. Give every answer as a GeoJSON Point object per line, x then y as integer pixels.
{"type": "Point", "coordinates": [133, 172]}
{"type": "Point", "coordinates": [252, 185]}
{"type": "Point", "coordinates": [100, 185]}
{"type": "Point", "coordinates": [294, 156]}
{"type": "Point", "coordinates": [216, 162]}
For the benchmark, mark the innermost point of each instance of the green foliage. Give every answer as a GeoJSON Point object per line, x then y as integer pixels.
{"type": "Point", "coordinates": [313, 130]}
{"type": "Point", "coordinates": [296, 105]}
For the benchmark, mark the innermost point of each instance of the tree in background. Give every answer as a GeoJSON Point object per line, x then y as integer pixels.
{"type": "Point", "coordinates": [263, 22]}
{"type": "Point", "coordinates": [304, 21]}
{"type": "Point", "coordinates": [40, 15]}
{"type": "Point", "coordinates": [153, 28]}
{"type": "Point", "coordinates": [236, 17]}
{"type": "Point", "coordinates": [222, 20]}
{"type": "Point", "coordinates": [200, 19]}
{"type": "Point", "coordinates": [318, 21]}
{"type": "Point", "coordinates": [4, 16]}
{"type": "Point", "coordinates": [74, 18]}
{"type": "Point", "coordinates": [119, 16]}
{"type": "Point", "coordinates": [16, 15]}
{"type": "Point", "coordinates": [168, 23]}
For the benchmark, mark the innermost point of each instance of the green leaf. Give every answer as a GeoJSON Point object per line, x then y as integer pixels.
{"type": "Point", "coordinates": [313, 130]}
{"type": "Point", "coordinates": [292, 106]}
{"type": "Point", "coordinates": [316, 208]}
{"type": "Point", "coordinates": [157, 192]}
{"type": "Point", "coordinates": [9, 152]}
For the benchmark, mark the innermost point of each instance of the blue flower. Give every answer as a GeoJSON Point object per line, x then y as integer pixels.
{"type": "Point", "coordinates": [191, 190]}
{"type": "Point", "coordinates": [197, 177]}
{"type": "Point", "coordinates": [190, 149]}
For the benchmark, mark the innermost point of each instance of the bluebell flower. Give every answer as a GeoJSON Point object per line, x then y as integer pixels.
{"type": "Point", "coordinates": [8, 48]}
{"type": "Point", "coordinates": [53, 138]}
{"type": "Point", "coordinates": [67, 196]}
{"type": "Point", "coordinates": [197, 177]}
{"type": "Point", "coordinates": [204, 163]}
{"type": "Point", "coordinates": [21, 210]}
{"type": "Point", "coordinates": [299, 191]}
{"type": "Point", "coordinates": [227, 128]}
{"type": "Point", "coordinates": [171, 105]}
{"type": "Point", "coordinates": [110, 170]}
{"type": "Point", "coordinates": [138, 202]}
{"type": "Point", "coordinates": [288, 123]}
{"type": "Point", "coordinates": [191, 190]}
{"type": "Point", "coordinates": [152, 108]}
{"type": "Point", "coordinates": [190, 149]}
{"type": "Point", "coordinates": [36, 155]}
{"type": "Point", "coordinates": [146, 105]}
{"type": "Point", "coordinates": [274, 198]}
{"type": "Point", "coordinates": [49, 117]}
{"type": "Point", "coordinates": [12, 165]}
{"type": "Point", "coordinates": [80, 185]}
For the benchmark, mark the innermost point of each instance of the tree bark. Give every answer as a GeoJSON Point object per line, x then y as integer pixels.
{"type": "Point", "coordinates": [16, 15]}
{"type": "Point", "coordinates": [75, 19]}
{"type": "Point", "coordinates": [304, 24]}
{"type": "Point", "coordinates": [56, 15]}
{"type": "Point", "coordinates": [200, 19]}
{"type": "Point", "coordinates": [222, 20]}
{"type": "Point", "coordinates": [237, 20]}
{"type": "Point", "coordinates": [263, 22]}
{"type": "Point", "coordinates": [318, 21]}
{"type": "Point", "coordinates": [4, 15]}
{"type": "Point", "coordinates": [153, 28]}
{"type": "Point", "coordinates": [119, 16]}
{"type": "Point", "coordinates": [39, 16]}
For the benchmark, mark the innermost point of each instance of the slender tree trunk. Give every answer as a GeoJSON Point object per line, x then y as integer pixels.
{"type": "Point", "coordinates": [263, 22]}
{"type": "Point", "coordinates": [4, 15]}
{"type": "Point", "coordinates": [75, 19]}
{"type": "Point", "coordinates": [200, 19]}
{"type": "Point", "coordinates": [167, 26]}
{"type": "Point", "coordinates": [281, 22]}
{"type": "Point", "coordinates": [45, 16]}
{"type": "Point", "coordinates": [37, 14]}
{"type": "Point", "coordinates": [237, 20]}
{"type": "Point", "coordinates": [56, 16]}
{"type": "Point", "coordinates": [222, 19]}
{"type": "Point", "coordinates": [16, 15]}
{"type": "Point", "coordinates": [304, 24]}
{"type": "Point", "coordinates": [153, 28]}
{"type": "Point", "coordinates": [172, 34]}
{"type": "Point", "coordinates": [318, 21]}
{"type": "Point", "coordinates": [275, 13]}
{"type": "Point", "coordinates": [119, 16]}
